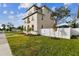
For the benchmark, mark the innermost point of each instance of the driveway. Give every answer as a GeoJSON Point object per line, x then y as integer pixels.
{"type": "Point", "coordinates": [4, 46]}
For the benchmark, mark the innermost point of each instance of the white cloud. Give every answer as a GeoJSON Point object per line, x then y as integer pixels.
{"type": "Point", "coordinates": [16, 17]}
{"type": "Point", "coordinates": [20, 16]}
{"type": "Point", "coordinates": [11, 12]}
{"type": "Point", "coordinates": [4, 12]}
{"type": "Point", "coordinates": [25, 5]}
{"type": "Point", "coordinates": [53, 8]}
{"type": "Point", "coordinates": [4, 5]}
{"type": "Point", "coordinates": [11, 17]}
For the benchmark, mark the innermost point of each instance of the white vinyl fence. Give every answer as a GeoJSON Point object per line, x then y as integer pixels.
{"type": "Point", "coordinates": [61, 32]}
{"type": "Point", "coordinates": [75, 31]}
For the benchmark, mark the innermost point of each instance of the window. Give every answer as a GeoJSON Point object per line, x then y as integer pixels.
{"type": "Point", "coordinates": [42, 26]}
{"type": "Point", "coordinates": [32, 27]}
{"type": "Point", "coordinates": [27, 27]}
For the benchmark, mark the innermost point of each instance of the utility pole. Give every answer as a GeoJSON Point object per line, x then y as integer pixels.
{"type": "Point", "coordinates": [78, 12]}
{"type": "Point", "coordinates": [77, 17]}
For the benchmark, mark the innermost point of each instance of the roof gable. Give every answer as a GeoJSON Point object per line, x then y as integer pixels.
{"type": "Point", "coordinates": [33, 6]}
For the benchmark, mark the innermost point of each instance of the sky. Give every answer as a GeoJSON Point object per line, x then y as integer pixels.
{"type": "Point", "coordinates": [14, 12]}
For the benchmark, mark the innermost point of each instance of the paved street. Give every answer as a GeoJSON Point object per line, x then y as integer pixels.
{"type": "Point", "coordinates": [4, 46]}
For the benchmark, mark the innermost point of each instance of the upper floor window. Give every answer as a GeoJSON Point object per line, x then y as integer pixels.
{"type": "Point", "coordinates": [28, 27]}
{"type": "Point", "coordinates": [42, 26]}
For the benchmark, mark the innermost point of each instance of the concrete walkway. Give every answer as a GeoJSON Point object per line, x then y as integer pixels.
{"type": "Point", "coordinates": [4, 46]}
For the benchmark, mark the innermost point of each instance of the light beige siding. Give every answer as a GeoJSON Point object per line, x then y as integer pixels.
{"type": "Point", "coordinates": [39, 20]}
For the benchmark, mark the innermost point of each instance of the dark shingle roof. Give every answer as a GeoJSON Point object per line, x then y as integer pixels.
{"type": "Point", "coordinates": [36, 11]}
{"type": "Point", "coordinates": [32, 14]}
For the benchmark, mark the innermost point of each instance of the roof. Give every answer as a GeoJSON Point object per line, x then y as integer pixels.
{"type": "Point", "coordinates": [33, 6]}
{"type": "Point", "coordinates": [64, 21]}
{"type": "Point", "coordinates": [32, 14]}
{"type": "Point", "coordinates": [62, 24]}
{"type": "Point", "coordinates": [38, 7]}
{"type": "Point", "coordinates": [36, 11]}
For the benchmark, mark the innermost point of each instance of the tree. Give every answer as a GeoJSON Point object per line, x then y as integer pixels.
{"type": "Point", "coordinates": [20, 27]}
{"type": "Point", "coordinates": [59, 14]}
{"type": "Point", "coordinates": [3, 25]}
{"type": "Point", "coordinates": [10, 26]}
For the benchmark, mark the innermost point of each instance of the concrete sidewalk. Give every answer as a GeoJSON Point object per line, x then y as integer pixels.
{"type": "Point", "coordinates": [4, 46]}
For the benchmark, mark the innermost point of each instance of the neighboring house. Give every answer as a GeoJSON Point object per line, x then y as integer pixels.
{"type": "Point", "coordinates": [66, 22]}
{"type": "Point", "coordinates": [37, 18]}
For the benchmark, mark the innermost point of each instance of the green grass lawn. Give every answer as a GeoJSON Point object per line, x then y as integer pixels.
{"type": "Point", "coordinates": [22, 45]}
